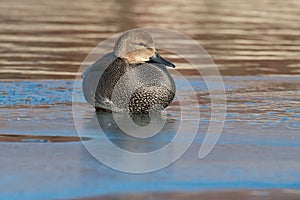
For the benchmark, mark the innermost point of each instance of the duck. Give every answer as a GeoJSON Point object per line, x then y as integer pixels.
{"type": "Point", "coordinates": [133, 78]}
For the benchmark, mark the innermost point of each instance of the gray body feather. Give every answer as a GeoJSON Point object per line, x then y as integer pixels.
{"type": "Point", "coordinates": [113, 83]}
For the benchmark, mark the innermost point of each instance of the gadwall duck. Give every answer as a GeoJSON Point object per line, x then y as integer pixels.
{"type": "Point", "coordinates": [132, 79]}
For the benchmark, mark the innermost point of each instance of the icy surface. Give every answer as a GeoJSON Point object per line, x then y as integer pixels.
{"type": "Point", "coordinates": [259, 146]}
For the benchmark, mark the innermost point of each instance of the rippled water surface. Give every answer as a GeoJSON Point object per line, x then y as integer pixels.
{"type": "Point", "coordinates": [50, 39]}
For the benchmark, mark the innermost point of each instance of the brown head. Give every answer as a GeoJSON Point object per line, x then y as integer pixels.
{"type": "Point", "coordinates": [137, 46]}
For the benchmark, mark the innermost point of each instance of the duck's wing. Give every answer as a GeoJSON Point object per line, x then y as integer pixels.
{"type": "Point", "coordinates": [92, 75]}
{"type": "Point", "coordinates": [100, 65]}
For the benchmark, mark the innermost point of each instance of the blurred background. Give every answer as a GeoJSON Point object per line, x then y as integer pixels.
{"type": "Point", "coordinates": [49, 39]}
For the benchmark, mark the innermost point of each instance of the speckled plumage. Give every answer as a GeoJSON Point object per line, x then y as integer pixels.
{"type": "Point", "coordinates": [126, 86]}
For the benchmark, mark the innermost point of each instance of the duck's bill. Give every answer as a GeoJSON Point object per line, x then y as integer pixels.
{"type": "Point", "coordinates": [156, 58]}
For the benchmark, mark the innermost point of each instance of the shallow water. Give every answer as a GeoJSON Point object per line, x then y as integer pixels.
{"type": "Point", "coordinates": [258, 148]}
{"type": "Point", "coordinates": [50, 39]}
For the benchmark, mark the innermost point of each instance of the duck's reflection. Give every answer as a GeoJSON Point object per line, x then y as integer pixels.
{"type": "Point", "coordinates": [160, 129]}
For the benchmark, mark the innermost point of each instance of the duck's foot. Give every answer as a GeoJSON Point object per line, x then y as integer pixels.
{"type": "Point", "coordinates": [98, 109]}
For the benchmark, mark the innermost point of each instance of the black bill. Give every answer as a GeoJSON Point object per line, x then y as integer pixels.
{"type": "Point", "coordinates": [156, 58]}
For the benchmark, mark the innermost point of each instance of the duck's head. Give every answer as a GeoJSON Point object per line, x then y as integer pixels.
{"type": "Point", "coordinates": [137, 47]}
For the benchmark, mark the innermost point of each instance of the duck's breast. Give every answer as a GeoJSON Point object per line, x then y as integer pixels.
{"type": "Point", "coordinates": [142, 86]}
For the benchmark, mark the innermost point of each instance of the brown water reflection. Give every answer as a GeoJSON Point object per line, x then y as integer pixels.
{"type": "Point", "coordinates": [50, 39]}
{"type": "Point", "coordinates": [38, 138]}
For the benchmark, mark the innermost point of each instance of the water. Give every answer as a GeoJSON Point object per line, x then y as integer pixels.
{"type": "Point", "coordinates": [50, 39]}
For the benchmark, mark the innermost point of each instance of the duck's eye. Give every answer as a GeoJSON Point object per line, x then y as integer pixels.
{"type": "Point", "coordinates": [141, 44]}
